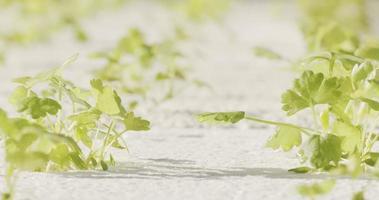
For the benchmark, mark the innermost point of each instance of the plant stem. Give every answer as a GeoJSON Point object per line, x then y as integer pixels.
{"type": "Point", "coordinates": [106, 140]}
{"type": "Point", "coordinates": [306, 130]}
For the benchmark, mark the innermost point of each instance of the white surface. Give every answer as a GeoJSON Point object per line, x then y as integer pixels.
{"type": "Point", "coordinates": [178, 158]}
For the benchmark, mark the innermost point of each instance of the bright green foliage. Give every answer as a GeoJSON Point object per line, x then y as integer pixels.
{"type": "Point", "coordinates": [223, 117]}
{"type": "Point", "coordinates": [39, 107]}
{"type": "Point", "coordinates": [316, 189]}
{"type": "Point", "coordinates": [333, 25]}
{"type": "Point", "coordinates": [351, 136]}
{"type": "Point", "coordinates": [311, 89]}
{"type": "Point", "coordinates": [133, 123]}
{"type": "Point", "coordinates": [140, 68]}
{"type": "Point", "coordinates": [326, 152]}
{"type": "Point", "coordinates": [51, 135]}
{"type": "Point", "coordinates": [286, 138]}
{"type": "Point", "coordinates": [343, 101]}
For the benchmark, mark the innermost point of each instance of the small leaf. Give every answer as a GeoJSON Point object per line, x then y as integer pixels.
{"type": "Point", "coordinates": [266, 53]}
{"type": "Point", "coordinates": [224, 117]}
{"type": "Point", "coordinates": [104, 165]}
{"type": "Point", "coordinates": [106, 102]}
{"type": "Point", "coordinates": [351, 136]}
{"type": "Point", "coordinates": [286, 138]}
{"type": "Point", "coordinates": [301, 170]}
{"type": "Point", "coordinates": [133, 123]}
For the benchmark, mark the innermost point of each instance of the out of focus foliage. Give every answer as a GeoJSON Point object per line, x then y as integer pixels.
{"type": "Point", "coordinates": [155, 71]}
{"type": "Point", "coordinates": [32, 20]}
{"type": "Point", "coordinates": [333, 25]}
{"type": "Point", "coordinates": [200, 9]}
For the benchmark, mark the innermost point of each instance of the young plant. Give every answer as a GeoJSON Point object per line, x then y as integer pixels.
{"type": "Point", "coordinates": [63, 127]}
{"type": "Point", "coordinates": [341, 93]}
{"type": "Point", "coordinates": [333, 25]}
{"type": "Point", "coordinates": [143, 69]}
{"type": "Point", "coordinates": [200, 9]}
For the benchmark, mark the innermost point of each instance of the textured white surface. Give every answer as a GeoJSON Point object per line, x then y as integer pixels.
{"type": "Point", "coordinates": [178, 158]}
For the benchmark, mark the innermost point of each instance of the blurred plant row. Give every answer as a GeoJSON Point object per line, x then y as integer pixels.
{"type": "Point", "coordinates": [60, 126]}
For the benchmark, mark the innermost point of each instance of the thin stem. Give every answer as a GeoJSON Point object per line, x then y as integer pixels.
{"type": "Point", "coordinates": [306, 130]}
{"type": "Point", "coordinates": [106, 140]}
{"type": "Point", "coordinates": [314, 115]}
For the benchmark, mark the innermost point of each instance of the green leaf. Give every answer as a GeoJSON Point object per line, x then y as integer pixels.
{"type": "Point", "coordinates": [351, 136]}
{"type": "Point", "coordinates": [106, 102]}
{"type": "Point", "coordinates": [371, 158]}
{"type": "Point", "coordinates": [368, 51]}
{"type": "Point", "coordinates": [97, 84]}
{"type": "Point", "coordinates": [29, 82]}
{"type": "Point", "coordinates": [224, 117]}
{"type": "Point", "coordinates": [18, 96]}
{"type": "Point", "coordinates": [40, 107]}
{"type": "Point", "coordinates": [286, 138]}
{"type": "Point", "coordinates": [316, 189]}
{"type": "Point", "coordinates": [86, 119]}
{"type": "Point", "coordinates": [301, 170]}
{"type": "Point", "coordinates": [361, 72]}
{"type": "Point", "coordinates": [266, 53]}
{"type": "Point", "coordinates": [133, 123]}
{"type": "Point", "coordinates": [104, 165]}
{"type": "Point", "coordinates": [77, 160]}
{"type": "Point", "coordinates": [60, 155]}
{"type": "Point", "coordinates": [359, 196]}
{"type": "Point", "coordinates": [373, 104]}
{"type": "Point", "coordinates": [309, 90]}
{"type": "Point", "coordinates": [325, 152]}
{"type": "Point", "coordinates": [82, 135]}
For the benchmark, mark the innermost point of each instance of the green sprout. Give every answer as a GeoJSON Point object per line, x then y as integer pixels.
{"type": "Point", "coordinates": [63, 127]}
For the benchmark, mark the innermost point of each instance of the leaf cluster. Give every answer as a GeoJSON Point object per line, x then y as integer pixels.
{"type": "Point", "coordinates": [64, 127]}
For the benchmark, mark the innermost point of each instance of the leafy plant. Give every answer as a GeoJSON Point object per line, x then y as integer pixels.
{"type": "Point", "coordinates": [63, 127]}
{"type": "Point", "coordinates": [333, 25]}
{"type": "Point", "coordinates": [34, 21]}
{"type": "Point", "coordinates": [343, 102]}
{"type": "Point", "coordinates": [138, 67]}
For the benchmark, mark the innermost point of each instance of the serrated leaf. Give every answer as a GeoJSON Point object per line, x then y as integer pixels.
{"type": "Point", "coordinates": [40, 107]}
{"type": "Point", "coordinates": [326, 151]}
{"type": "Point", "coordinates": [286, 138]}
{"type": "Point", "coordinates": [309, 90]}
{"type": "Point", "coordinates": [351, 136]}
{"type": "Point", "coordinates": [133, 123]}
{"type": "Point", "coordinates": [106, 102]}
